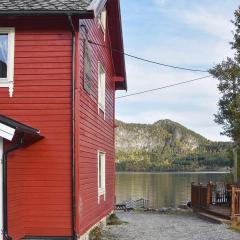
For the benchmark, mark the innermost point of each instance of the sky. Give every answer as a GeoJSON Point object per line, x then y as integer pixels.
{"type": "Point", "coordinates": [193, 34]}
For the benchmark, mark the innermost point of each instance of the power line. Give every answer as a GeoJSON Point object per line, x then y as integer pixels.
{"type": "Point", "coordinates": [167, 86]}
{"type": "Point", "coordinates": [145, 60]}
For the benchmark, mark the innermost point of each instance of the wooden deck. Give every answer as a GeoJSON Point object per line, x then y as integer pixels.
{"type": "Point", "coordinates": [220, 211]}
{"type": "Point", "coordinates": [218, 200]}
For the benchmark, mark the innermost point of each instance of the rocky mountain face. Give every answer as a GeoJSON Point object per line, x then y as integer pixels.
{"type": "Point", "coordinates": [165, 145]}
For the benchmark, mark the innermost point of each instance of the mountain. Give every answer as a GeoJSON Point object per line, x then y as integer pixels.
{"type": "Point", "coordinates": [167, 145]}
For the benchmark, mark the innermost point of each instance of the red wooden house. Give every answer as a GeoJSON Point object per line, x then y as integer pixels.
{"type": "Point", "coordinates": [58, 76]}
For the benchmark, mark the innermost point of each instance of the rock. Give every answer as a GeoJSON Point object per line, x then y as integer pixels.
{"type": "Point", "coordinates": [150, 210]}
{"type": "Point", "coordinates": [183, 206]}
{"type": "Point", "coordinates": [164, 210]}
{"type": "Point", "coordinates": [189, 204]}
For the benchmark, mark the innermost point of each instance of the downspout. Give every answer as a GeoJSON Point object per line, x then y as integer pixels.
{"type": "Point", "coordinates": [5, 186]}
{"type": "Point", "coordinates": [73, 128]}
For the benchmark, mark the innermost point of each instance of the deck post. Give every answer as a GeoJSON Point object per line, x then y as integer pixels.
{"type": "Point", "coordinates": [209, 194]}
{"type": "Point", "coordinates": [192, 196]}
{"type": "Point", "coordinates": [232, 206]}
{"type": "Point", "coordinates": [199, 195]}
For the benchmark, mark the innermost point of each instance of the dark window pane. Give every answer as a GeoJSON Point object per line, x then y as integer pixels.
{"type": "Point", "coordinates": [3, 55]}
{"type": "Point", "coordinates": [87, 67]}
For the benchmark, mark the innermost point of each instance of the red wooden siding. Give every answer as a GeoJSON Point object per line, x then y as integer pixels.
{"type": "Point", "coordinates": [40, 176]}
{"type": "Point", "coordinates": [94, 133]}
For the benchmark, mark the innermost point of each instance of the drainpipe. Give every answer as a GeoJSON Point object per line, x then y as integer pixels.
{"type": "Point", "coordinates": [5, 193]}
{"type": "Point", "coordinates": [73, 128]}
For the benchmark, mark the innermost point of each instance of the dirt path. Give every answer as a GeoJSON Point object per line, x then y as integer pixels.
{"type": "Point", "coordinates": [150, 226]}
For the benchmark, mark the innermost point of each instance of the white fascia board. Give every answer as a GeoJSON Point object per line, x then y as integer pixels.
{"type": "Point", "coordinates": [97, 6]}
{"type": "Point", "coordinates": [6, 132]}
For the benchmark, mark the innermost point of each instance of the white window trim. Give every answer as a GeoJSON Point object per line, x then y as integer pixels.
{"type": "Point", "coordinates": [102, 189]}
{"type": "Point", "coordinates": [101, 89]}
{"type": "Point", "coordinates": [8, 82]}
{"type": "Point", "coordinates": [103, 25]}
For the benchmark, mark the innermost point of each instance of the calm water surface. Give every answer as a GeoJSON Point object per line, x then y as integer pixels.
{"type": "Point", "coordinates": [161, 189]}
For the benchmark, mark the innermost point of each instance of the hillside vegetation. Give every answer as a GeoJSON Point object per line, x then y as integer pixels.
{"type": "Point", "coordinates": [167, 146]}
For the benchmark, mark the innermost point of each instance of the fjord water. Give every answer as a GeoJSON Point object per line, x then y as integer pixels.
{"type": "Point", "coordinates": [162, 189]}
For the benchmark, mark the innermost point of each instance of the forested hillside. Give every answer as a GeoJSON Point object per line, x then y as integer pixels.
{"type": "Point", "coordinates": [167, 146]}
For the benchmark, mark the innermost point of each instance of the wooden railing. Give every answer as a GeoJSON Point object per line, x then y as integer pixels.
{"type": "Point", "coordinates": [225, 195]}
{"type": "Point", "coordinates": [235, 203]}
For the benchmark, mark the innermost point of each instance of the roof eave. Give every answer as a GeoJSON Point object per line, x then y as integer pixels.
{"type": "Point", "coordinates": [124, 85]}
{"type": "Point", "coordinates": [81, 13]}
{"type": "Point", "coordinates": [30, 135]}
{"type": "Point", "coordinates": [116, 36]}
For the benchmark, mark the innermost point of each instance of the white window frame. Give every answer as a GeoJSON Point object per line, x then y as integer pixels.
{"type": "Point", "coordinates": [9, 81]}
{"type": "Point", "coordinates": [102, 188]}
{"type": "Point", "coordinates": [101, 87]}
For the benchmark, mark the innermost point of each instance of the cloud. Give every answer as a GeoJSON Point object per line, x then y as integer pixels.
{"type": "Point", "coordinates": [208, 20]}
{"type": "Point", "coordinates": [192, 105]}
{"type": "Point", "coordinates": [162, 2]}
{"type": "Point", "coordinates": [193, 34]}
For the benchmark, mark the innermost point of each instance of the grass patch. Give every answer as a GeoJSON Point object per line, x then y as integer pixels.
{"type": "Point", "coordinates": [235, 227]}
{"type": "Point", "coordinates": [96, 234]}
{"type": "Point", "coordinates": [113, 219]}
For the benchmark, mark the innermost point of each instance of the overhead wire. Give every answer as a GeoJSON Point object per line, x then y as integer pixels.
{"type": "Point", "coordinates": [153, 62]}
{"type": "Point", "coordinates": [164, 87]}
{"type": "Point", "coordinates": [144, 59]}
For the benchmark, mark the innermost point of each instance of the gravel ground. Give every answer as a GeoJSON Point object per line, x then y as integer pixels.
{"type": "Point", "coordinates": [152, 226]}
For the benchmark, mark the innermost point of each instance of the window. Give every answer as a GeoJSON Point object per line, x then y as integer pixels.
{"type": "Point", "coordinates": [87, 67]}
{"type": "Point", "coordinates": [101, 87]}
{"type": "Point", "coordinates": [101, 174]}
{"type": "Point", "coordinates": [3, 55]}
{"type": "Point", "coordinates": [7, 38]}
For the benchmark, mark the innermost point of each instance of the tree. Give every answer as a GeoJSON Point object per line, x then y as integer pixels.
{"type": "Point", "coordinates": [228, 74]}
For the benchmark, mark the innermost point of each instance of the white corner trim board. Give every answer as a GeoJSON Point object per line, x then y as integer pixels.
{"type": "Point", "coordinates": [6, 132]}
{"type": "Point", "coordinates": [1, 188]}
{"type": "Point", "coordinates": [8, 82]}
{"type": "Point", "coordinates": [97, 6]}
